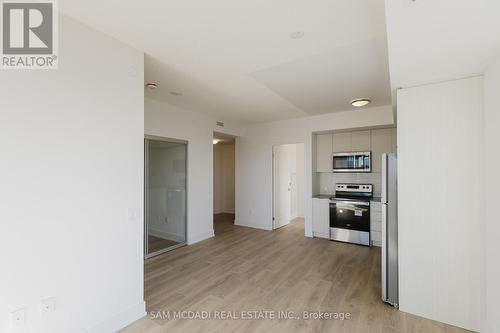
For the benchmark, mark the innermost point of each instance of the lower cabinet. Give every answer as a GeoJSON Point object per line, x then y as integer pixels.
{"type": "Point", "coordinates": [321, 218]}
{"type": "Point", "coordinates": [376, 223]}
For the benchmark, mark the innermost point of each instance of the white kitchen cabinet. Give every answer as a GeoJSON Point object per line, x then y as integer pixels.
{"type": "Point", "coordinates": [376, 223]}
{"type": "Point", "coordinates": [342, 142]}
{"type": "Point", "coordinates": [377, 141]}
{"type": "Point", "coordinates": [321, 218]}
{"type": "Point", "coordinates": [324, 162]}
{"type": "Point", "coordinates": [382, 141]}
{"type": "Point", "coordinates": [360, 141]}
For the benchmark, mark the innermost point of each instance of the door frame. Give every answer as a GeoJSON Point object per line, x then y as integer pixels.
{"type": "Point", "coordinates": [146, 196]}
{"type": "Point", "coordinates": [273, 184]}
{"type": "Point", "coordinates": [274, 173]}
{"type": "Point", "coordinates": [235, 137]}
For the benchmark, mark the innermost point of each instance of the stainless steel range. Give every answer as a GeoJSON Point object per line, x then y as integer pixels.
{"type": "Point", "coordinates": [350, 213]}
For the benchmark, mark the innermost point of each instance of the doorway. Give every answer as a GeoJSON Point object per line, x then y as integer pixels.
{"type": "Point", "coordinates": [288, 184]}
{"type": "Point", "coordinates": [165, 173]}
{"type": "Point", "coordinates": [224, 181]}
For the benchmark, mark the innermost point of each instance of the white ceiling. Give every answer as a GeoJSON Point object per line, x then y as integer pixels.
{"type": "Point", "coordinates": [436, 40]}
{"type": "Point", "coordinates": [235, 59]}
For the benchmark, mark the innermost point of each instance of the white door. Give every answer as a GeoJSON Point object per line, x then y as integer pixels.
{"type": "Point", "coordinates": [281, 186]}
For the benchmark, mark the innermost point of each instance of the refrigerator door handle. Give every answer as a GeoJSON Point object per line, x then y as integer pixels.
{"type": "Point", "coordinates": [384, 178]}
{"type": "Point", "coordinates": [384, 252]}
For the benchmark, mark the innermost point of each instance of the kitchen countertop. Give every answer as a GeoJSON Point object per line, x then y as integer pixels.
{"type": "Point", "coordinates": [328, 196]}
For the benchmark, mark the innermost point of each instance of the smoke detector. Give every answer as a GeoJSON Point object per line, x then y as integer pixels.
{"type": "Point", "coordinates": [297, 35]}
{"type": "Point", "coordinates": [152, 85]}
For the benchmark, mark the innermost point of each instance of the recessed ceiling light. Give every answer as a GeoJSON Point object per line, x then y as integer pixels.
{"type": "Point", "coordinates": [152, 85]}
{"type": "Point", "coordinates": [175, 93]}
{"type": "Point", "coordinates": [297, 35]}
{"type": "Point", "coordinates": [216, 141]}
{"type": "Point", "coordinates": [359, 102]}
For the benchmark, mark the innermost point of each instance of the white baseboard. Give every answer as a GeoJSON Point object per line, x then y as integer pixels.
{"type": "Point", "coordinates": [120, 320]}
{"type": "Point", "coordinates": [200, 237]}
{"type": "Point", "coordinates": [251, 225]}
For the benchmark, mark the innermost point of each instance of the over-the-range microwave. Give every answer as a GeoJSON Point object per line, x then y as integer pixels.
{"type": "Point", "coordinates": [352, 162]}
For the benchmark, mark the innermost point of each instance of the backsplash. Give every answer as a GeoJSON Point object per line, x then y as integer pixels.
{"type": "Point", "coordinates": [327, 181]}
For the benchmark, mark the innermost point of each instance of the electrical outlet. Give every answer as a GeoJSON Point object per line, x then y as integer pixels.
{"type": "Point", "coordinates": [17, 318]}
{"type": "Point", "coordinates": [167, 219]}
{"type": "Point", "coordinates": [48, 305]}
{"type": "Point", "coordinates": [411, 3]}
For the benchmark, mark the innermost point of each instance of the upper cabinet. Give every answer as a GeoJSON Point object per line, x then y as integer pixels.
{"type": "Point", "coordinates": [377, 141]}
{"type": "Point", "coordinates": [351, 141]}
{"type": "Point", "coordinates": [382, 142]}
{"type": "Point", "coordinates": [360, 141]}
{"type": "Point", "coordinates": [341, 142]}
{"type": "Point", "coordinates": [324, 151]}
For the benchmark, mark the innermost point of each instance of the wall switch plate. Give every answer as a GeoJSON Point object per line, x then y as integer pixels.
{"type": "Point", "coordinates": [17, 318]}
{"type": "Point", "coordinates": [48, 305]}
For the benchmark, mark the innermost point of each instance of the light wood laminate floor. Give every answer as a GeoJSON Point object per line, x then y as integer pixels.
{"type": "Point", "coordinates": [248, 269]}
{"type": "Point", "coordinates": [158, 244]}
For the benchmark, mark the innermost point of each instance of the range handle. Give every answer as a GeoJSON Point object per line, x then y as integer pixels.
{"type": "Point", "coordinates": [360, 203]}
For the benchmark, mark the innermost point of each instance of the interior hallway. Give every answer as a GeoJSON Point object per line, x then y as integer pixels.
{"type": "Point", "coordinates": [249, 269]}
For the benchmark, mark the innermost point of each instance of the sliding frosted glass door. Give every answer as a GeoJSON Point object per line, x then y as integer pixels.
{"type": "Point", "coordinates": [165, 195]}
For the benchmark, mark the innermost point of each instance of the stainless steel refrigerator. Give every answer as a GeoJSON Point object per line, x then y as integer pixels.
{"type": "Point", "coordinates": [390, 292]}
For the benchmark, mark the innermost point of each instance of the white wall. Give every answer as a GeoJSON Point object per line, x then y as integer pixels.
{"type": "Point", "coordinates": [197, 129]}
{"type": "Point", "coordinates": [440, 150]}
{"type": "Point", "coordinates": [492, 197]}
{"type": "Point", "coordinates": [301, 180]}
{"type": "Point", "coordinates": [224, 164]}
{"type": "Point", "coordinates": [254, 159]}
{"type": "Point", "coordinates": [298, 210]}
{"type": "Point", "coordinates": [288, 183]}
{"type": "Point", "coordinates": [295, 155]}
{"type": "Point", "coordinates": [72, 186]}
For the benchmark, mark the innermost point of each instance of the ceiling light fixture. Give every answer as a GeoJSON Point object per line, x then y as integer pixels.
{"type": "Point", "coordinates": [216, 141]}
{"type": "Point", "coordinates": [151, 85]}
{"type": "Point", "coordinates": [297, 35]}
{"type": "Point", "coordinates": [360, 102]}
{"type": "Point", "coordinates": [175, 93]}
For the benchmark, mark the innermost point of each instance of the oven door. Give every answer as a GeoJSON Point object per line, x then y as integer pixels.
{"type": "Point", "coordinates": [352, 162]}
{"type": "Point", "coordinates": [351, 215]}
